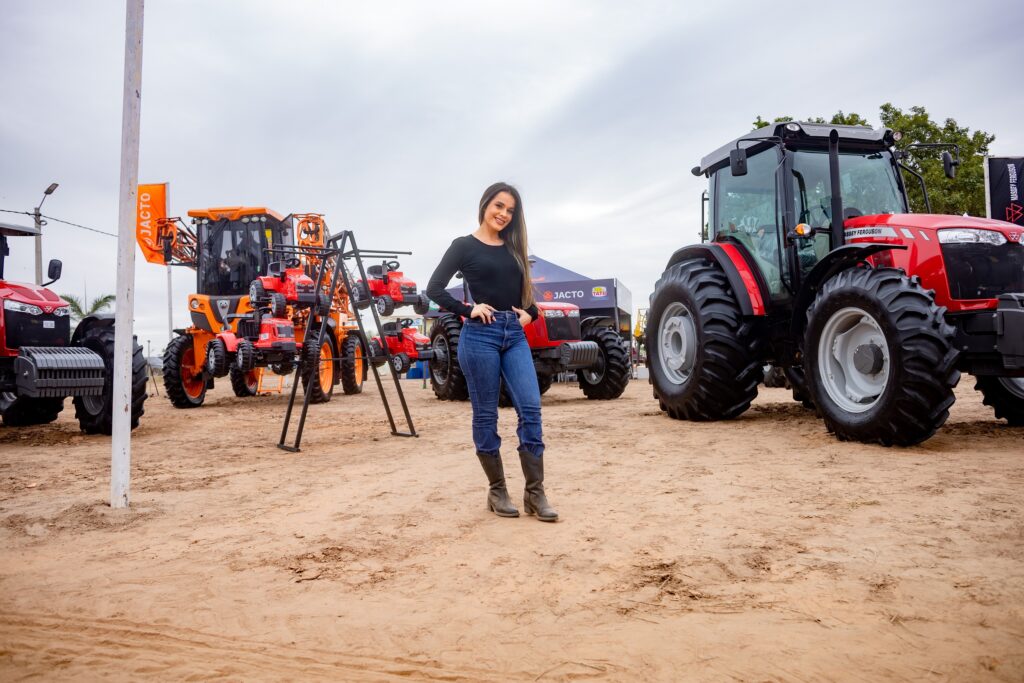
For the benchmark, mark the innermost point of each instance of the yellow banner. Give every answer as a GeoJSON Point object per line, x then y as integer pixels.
{"type": "Point", "coordinates": [151, 207]}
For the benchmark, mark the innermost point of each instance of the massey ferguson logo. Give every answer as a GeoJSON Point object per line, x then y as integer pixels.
{"type": "Point", "coordinates": [48, 309]}
{"type": "Point", "coordinates": [1013, 237]}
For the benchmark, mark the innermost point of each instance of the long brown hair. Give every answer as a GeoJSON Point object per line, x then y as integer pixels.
{"type": "Point", "coordinates": [514, 236]}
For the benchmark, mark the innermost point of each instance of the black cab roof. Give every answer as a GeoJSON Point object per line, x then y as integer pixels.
{"type": "Point", "coordinates": [796, 132]}
{"type": "Point", "coordinates": [12, 230]}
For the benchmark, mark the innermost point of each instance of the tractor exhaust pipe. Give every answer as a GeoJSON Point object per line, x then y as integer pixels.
{"type": "Point", "coordinates": [838, 234]}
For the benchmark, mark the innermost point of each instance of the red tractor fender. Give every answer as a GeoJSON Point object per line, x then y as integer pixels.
{"type": "Point", "coordinates": [230, 341]}
{"type": "Point", "coordinates": [750, 292]}
{"type": "Point", "coordinates": [837, 260]}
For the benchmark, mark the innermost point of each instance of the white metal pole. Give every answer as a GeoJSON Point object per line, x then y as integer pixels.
{"type": "Point", "coordinates": [39, 247]}
{"type": "Point", "coordinates": [121, 454]}
{"type": "Point", "coordinates": [170, 310]}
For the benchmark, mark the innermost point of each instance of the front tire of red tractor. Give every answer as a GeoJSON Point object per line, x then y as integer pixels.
{"type": "Point", "coordinates": [183, 379]}
{"type": "Point", "coordinates": [353, 364]}
{"type": "Point", "coordinates": [318, 368]}
{"type": "Point", "coordinates": [278, 305]}
{"type": "Point", "coordinates": [446, 378]}
{"type": "Point", "coordinates": [23, 411]}
{"type": "Point", "coordinates": [422, 304]}
{"type": "Point", "coordinates": [244, 384]}
{"type": "Point", "coordinates": [879, 358]}
{"type": "Point", "coordinates": [385, 305]}
{"type": "Point", "coordinates": [702, 354]}
{"type": "Point", "coordinates": [360, 296]}
{"type": "Point", "coordinates": [96, 413]}
{"type": "Point", "coordinates": [608, 379]}
{"type": "Point", "coordinates": [1005, 395]}
{"type": "Point", "coordinates": [217, 358]}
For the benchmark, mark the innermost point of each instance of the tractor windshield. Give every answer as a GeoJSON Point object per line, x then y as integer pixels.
{"type": "Point", "coordinates": [868, 184]}
{"type": "Point", "coordinates": [232, 252]}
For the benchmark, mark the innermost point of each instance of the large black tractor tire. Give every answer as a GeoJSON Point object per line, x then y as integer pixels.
{"type": "Point", "coordinates": [879, 358]}
{"type": "Point", "coordinates": [353, 364]}
{"type": "Point", "coordinates": [607, 379]}
{"type": "Point", "coordinates": [183, 380]}
{"type": "Point", "coordinates": [318, 380]}
{"type": "Point", "coordinates": [446, 378]}
{"type": "Point", "coordinates": [544, 382]}
{"type": "Point", "coordinates": [96, 413]}
{"type": "Point", "coordinates": [23, 411]}
{"type": "Point", "coordinates": [244, 384]}
{"type": "Point", "coordinates": [1005, 395]}
{"type": "Point", "coordinates": [701, 352]}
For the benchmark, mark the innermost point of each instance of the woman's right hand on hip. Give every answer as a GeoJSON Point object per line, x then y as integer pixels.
{"type": "Point", "coordinates": [484, 313]}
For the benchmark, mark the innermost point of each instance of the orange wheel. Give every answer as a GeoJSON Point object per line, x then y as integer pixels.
{"type": "Point", "coordinates": [191, 380]}
{"type": "Point", "coordinates": [326, 366]}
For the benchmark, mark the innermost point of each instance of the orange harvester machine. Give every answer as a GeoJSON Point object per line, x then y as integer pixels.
{"type": "Point", "coordinates": [229, 247]}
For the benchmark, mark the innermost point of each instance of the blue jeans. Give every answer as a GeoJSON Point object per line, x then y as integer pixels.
{"type": "Point", "coordinates": [488, 354]}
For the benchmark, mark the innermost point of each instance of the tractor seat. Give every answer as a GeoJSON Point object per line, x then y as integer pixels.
{"type": "Point", "coordinates": [391, 329]}
{"type": "Point", "coordinates": [375, 271]}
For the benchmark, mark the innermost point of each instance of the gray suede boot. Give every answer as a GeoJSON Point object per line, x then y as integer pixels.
{"type": "Point", "coordinates": [498, 501]}
{"type": "Point", "coordinates": [534, 500]}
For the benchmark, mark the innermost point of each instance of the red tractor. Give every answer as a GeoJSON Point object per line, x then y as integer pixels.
{"type": "Point", "coordinates": [388, 288]}
{"type": "Point", "coordinates": [42, 362]}
{"type": "Point", "coordinates": [816, 265]}
{"type": "Point", "coordinates": [559, 341]}
{"type": "Point", "coordinates": [265, 337]}
{"type": "Point", "coordinates": [405, 344]}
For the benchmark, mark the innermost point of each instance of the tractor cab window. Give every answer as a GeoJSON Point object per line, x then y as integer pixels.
{"type": "Point", "coordinates": [232, 252]}
{"type": "Point", "coordinates": [746, 212]}
{"type": "Point", "coordinates": [868, 185]}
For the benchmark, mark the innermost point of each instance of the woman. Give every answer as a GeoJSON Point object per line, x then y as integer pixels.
{"type": "Point", "coordinates": [492, 347]}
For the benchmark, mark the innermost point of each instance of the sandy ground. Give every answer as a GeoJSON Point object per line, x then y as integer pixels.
{"type": "Point", "coordinates": [760, 549]}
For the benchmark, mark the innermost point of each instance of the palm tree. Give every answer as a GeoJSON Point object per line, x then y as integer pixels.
{"type": "Point", "coordinates": [79, 311]}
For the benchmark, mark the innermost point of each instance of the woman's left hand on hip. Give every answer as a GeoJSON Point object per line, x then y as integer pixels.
{"type": "Point", "coordinates": [524, 317]}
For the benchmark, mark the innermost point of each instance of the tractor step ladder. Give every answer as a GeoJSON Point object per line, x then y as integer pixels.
{"type": "Point", "coordinates": [264, 390]}
{"type": "Point", "coordinates": [341, 248]}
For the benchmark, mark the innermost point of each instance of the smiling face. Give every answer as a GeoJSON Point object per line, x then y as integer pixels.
{"type": "Point", "coordinates": [498, 214]}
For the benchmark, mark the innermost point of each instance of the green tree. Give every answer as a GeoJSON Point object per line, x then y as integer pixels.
{"type": "Point", "coordinates": [78, 309]}
{"type": "Point", "coordinates": [964, 194]}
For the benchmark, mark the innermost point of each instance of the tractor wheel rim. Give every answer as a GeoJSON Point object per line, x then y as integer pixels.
{"type": "Point", "coordinates": [380, 306]}
{"type": "Point", "coordinates": [1015, 385]}
{"type": "Point", "coordinates": [850, 387]}
{"type": "Point", "coordinates": [191, 381]}
{"type": "Point", "coordinates": [93, 404]}
{"type": "Point", "coordinates": [595, 374]}
{"type": "Point", "coordinates": [326, 366]}
{"type": "Point", "coordinates": [677, 343]}
{"type": "Point", "coordinates": [439, 364]}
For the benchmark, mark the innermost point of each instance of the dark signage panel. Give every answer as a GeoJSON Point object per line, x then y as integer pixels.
{"type": "Point", "coordinates": [1004, 184]}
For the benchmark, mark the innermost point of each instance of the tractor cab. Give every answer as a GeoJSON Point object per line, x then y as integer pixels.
{"type": "Point", "coordinates": [766, 184]}
{"type": "Point", "coordinates": [233, 244]}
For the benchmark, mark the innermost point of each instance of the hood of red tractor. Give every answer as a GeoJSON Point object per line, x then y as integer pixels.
{"type": "Point", "coordinates": [931, 222]}
{"type": "Point", "coordinates": [25, 293]}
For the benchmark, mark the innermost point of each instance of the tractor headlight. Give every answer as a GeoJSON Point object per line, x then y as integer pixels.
{"type": "Point", "coordinates": [572, 313]}
{"type": "Point", "coordinates": [552, 313]}
{"type": "Point", "coordinates": [18, 307]}
{"type": "Point", "coordinates": [62, 312]}
{"type": "Point", "coordinates": [971, 236]}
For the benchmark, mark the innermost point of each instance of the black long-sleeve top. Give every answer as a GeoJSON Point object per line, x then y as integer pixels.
{"type": "Point", "coordinates": [492, 273]}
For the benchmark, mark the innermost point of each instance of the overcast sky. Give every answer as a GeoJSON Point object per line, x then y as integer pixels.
{"type": "Point", "coordinates": [392, 117]}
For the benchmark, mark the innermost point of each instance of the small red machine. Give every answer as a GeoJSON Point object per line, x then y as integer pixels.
{"type": "Point", "coordinates": [388, 288]}
{"type": "Point", "coordinates": [405, 344]}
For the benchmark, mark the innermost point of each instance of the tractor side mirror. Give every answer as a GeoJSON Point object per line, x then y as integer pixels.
{"type": "Point", "coordinates": [949, 165]}
{"type": "Point", "coordinates": [53, 271]}
{"type": "Point", "coordinates": [738, 161]}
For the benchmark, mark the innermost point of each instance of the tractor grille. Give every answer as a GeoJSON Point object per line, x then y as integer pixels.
{"type": "Point", "coordinates": [563, 329]}
{"type": "Point", "coordinates": [36, 330]}
{"type": "Point", "coordinates": [984, 271]}
{"type": "Point", "coordinates": [248, 328]}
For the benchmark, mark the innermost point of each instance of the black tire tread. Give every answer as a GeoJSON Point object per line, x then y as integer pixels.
{"type": "Point", "coordinates": [350, 383]}
{"type": "Point", "coordinates": [926, 366]}
{"type": "Point", "coordinates": [455, 389]}
{"type": "Point", "coordinates": [172, 374]}
{"type": "Point", "coordinates": [101, 340]}
{"type": "Point", "coordinates": [1005, 405]}
{"type": "Point", "coordinates": [728, 369]}
{"type": "Point", "coordinates": [616, 366]}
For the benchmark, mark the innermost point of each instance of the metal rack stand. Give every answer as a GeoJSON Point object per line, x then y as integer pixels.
{"type": "Point", "coordinates": [342, 247]}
